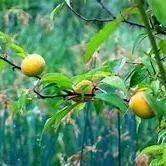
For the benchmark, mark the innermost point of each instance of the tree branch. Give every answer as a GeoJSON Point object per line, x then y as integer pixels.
{"type": "Point", "coordinates": [69, 94]}
{"type": "Point", "coordinates": [88, 19]}
{"type": "Point", "coordinates": [10, 63]}
{"type": "Point", "coordinates": [102, 20]}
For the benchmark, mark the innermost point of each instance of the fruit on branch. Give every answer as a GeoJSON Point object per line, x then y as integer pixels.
{"type": "Point", "coordinates": [33, 65]}
{"type": "Point", "coordinates": [139, 105]}
{"type": "Point", "coordinates": [84, 87]}
{"type": "Point", "coordinates": [159, 10]}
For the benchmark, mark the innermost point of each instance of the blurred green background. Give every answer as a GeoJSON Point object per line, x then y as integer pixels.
{"type": "Point", "coordinates": [62, 42]}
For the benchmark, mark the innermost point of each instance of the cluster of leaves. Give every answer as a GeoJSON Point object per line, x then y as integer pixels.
{"type": "Point", "coordinates": [157, 154]}
{"type": "Point", "coordinates": [104, 76]}
{"type": "Point", "coordinates": [112, 89]}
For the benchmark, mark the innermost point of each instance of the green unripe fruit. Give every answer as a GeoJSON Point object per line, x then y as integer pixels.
{"type": "Point", "coordinates": [85, 87]}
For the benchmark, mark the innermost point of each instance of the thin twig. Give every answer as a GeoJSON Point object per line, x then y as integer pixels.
{"type": "Point", "coordinates": [102, 20]}
{"type": "Point", "coordinates": [114, 17]}
{"type": "Point", "coordinates": [158, 30]}
{"type": "Point", "coordinates": [9, 62]}
{"type": "Point", "coordinates": [88, 19]}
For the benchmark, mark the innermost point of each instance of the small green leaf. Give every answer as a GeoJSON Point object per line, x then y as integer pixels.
{"type": "Point", "coordinates": [56, 11]}
{"type": "Point", "coordinates": [2, 64]}
{"type": "Point", "coordinates": [19, 50]}
{"type": "Point", "coordinates": [114, 81]}
{"type": "Point", "coordinates": [101, 72]}
{"type": "Point", "coordinates": [162, 45]}
{"type": "Point", "coordinates": [162, 136]}
{"type": "Point", "coordinates": [150, 64]}
{"type": "Point", "coordinates": [154, 149]}
{"type": "Point", "coordinates": [56, 119]}
{"type": "Point", "coordinates": [138, 40]}
{"type": "Point", "coordinates": [155, 85]}
{"type": "Point", "coordinates": [157, 106]}
{"type": "Point", "coordinates": [61, 80]}
{"type": "Point", "coordinates": [98, 105]}
{"type": "Point", "coordinates": [100, 37]}
{"type": "Point", "coordinates": [117, 64]}
{"type": "Point", "coordinates": [139, 75]}
{"type": "Point", "coordinates": [92, 75]}
{"type": "Point", "coordinates": [159, 7]}
{"type": "Point", "coordinates": [156, 162]}
{"type": "Point", "coordinates": [5, 38]}
{"type": "Point", "coordinates": [114, 100]}
{"type": "Point", "coordinates": [20, 105]}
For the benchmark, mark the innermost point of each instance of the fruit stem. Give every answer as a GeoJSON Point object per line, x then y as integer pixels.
{"type": "Point", "coordinates": [152, 41]}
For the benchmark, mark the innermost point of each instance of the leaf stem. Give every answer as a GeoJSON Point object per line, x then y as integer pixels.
{"type": "Point", "coordinates": [153, 42]}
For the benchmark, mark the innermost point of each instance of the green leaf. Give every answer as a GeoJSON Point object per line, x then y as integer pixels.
{"type": "Point", "coordinates": [104, 34]}
{"type": "Point", "coordinates": [117, 64]}
{"type": "Point", "coordinates": [61, 80]}
{"type": "Point", "coordinates": [159, 107]}
{"type": "Point", "coordinates": [138, 40]}
{"type": "Point", "coordinates": [139, 75]}
{"type": "Point", "coordinates": [20, 105]}
{"type": "Point", "coordinates": [100, 37]}
{"type": "Point", "coordinates": [114, 100]}
{"type": "Point", "coordinates": [162, 45]}
{"type": "Point", "coordinates": [98, 105]}
{"type": "Point", "coordinates": [2, 64]}
{"type": "Point", "coordinates": [56, 11]}
{"type": "Point", "coordinates": [101, 72]}
{"type": "Point", "coordinates": [150, 64]}
{"type": "Point", "coordinates": [19, 50]}
{"type": "Point", "coordinates": [164, 156]}
{"type": "Point", "coordinates": [9, 43]}
{"type": "Point", "coordinates": [114, 81]}
{"type": "Point", "coordinates": [159, 8]}
{"type": "Point", "coordinates": [155, 85]}
{"type": "Point", "coordinates": [5, 38]}
{"type": "Point", "coordinates": [154, 149]}
{"type": "Point", "coordinates": [56, 119]}
{"type": "Point", "coordinates": [162, 136]}
{"type": "Point", "coordinates": [156, 162]}
{"type": "Point", "coordinates": [92, 75]}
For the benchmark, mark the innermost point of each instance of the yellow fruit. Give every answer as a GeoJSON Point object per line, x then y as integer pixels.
{"type": "Point", "coordinates": [85, 87]}
{"type": "Point", "coordinates": [139, 105]}
{"type": "Point", "coordinates": [33, 65]}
